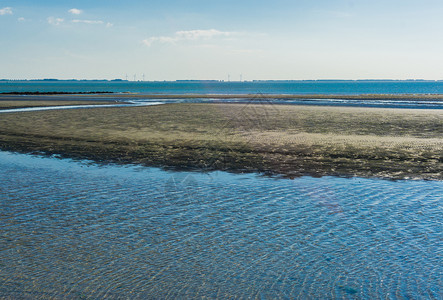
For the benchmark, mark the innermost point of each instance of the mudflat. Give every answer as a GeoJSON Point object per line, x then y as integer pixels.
{"type": "Point", "coordinates": [11, 103]}
{"type": "Point", "coordinates": [286, 140]}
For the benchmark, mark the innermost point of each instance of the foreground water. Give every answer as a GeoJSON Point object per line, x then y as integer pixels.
{"type": "Point", "coordinates": [74, 229]}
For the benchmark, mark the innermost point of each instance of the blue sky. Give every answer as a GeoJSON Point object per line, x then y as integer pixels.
{"type": "Point", "coordinates": [168, 40]}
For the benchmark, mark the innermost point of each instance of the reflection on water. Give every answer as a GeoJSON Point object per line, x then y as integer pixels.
{"type": "Point", "coordinates": [70, 229]}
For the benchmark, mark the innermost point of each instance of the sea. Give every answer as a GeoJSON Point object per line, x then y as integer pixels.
{"type": "Point", "coordinates": [74, 229]}
{"type": "Point", "coordinates": [308, 87]}
{"type": "Point", "coordinates": [256, 89]}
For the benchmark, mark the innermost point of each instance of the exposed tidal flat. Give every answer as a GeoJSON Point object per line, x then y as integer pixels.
{"type": "Point", "coordinates": [250, 136]}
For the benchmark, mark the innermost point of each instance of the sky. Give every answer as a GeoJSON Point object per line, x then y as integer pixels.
{"type": "Point", "coordinates": [217, 40]}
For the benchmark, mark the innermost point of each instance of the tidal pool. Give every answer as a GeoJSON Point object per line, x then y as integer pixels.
{"type": "Point", "coordinates": [73, 229]}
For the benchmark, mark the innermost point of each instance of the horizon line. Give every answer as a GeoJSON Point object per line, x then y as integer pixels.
{"type": "Point", "coordinates": [221, 80]}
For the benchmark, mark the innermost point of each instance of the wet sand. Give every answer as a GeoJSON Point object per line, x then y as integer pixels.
{"type": "Point", "coordinates": [283, 140]}
{"type": "Point", "coordinates": [13, 102]}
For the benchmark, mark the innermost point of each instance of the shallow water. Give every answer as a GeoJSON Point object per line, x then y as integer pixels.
{"type": "Point", "coordinates": [75, 229]}
{"type": "Point", "coordinates": [41, 108]}
{"type": "Point", "coordinates": [408, 104]}
{"type": "Point", "coordinates": [342, 87]}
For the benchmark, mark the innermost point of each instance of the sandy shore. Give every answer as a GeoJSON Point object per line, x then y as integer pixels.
{"type": "Point", "coordinates": [12, 102]}
{"type": "Point", "coordinates": [274, 139]}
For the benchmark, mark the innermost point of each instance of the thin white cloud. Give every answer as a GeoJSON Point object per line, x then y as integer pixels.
{"type": "Point", "coordinates": [202, 34]}
{"type": "Point", "coordinates": [189, 35]}
{"type": "Point", "coordinates": [75, 11]}
{"type": "Point", "coordinates": [55, 21]}
{"type": "Point", "coordinates": [21, 19]}
{"type": "Point", "coordinates": [88, 21]}
{"type": "Point", "coordinates": [161, 39]}
{"type": "Point", "coordinates": [6, 11]}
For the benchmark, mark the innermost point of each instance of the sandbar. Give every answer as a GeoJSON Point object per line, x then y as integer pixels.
{"type": "Point", "coordinates": [280, 140]}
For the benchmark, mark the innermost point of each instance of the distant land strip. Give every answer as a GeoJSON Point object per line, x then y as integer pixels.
{"type": "Point", "coordinates": [55, 93]}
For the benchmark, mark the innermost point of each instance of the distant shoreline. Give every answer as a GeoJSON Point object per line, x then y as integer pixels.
{"type": "Point", "coordinates": [219, 80]}
{"type": "Point", "coordinates": [55, 93]}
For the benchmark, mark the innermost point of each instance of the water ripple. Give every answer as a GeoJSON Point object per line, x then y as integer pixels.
{"type": "Point", "coordinates": [72, 230]}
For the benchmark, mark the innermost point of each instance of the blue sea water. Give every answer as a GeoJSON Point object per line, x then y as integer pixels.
{"type": "Point", "coordinates": [257, 90]}
{"type": "Point", "coordinates": [73, 229]}
{"type": "Point", "coordinates": [211, 87]}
